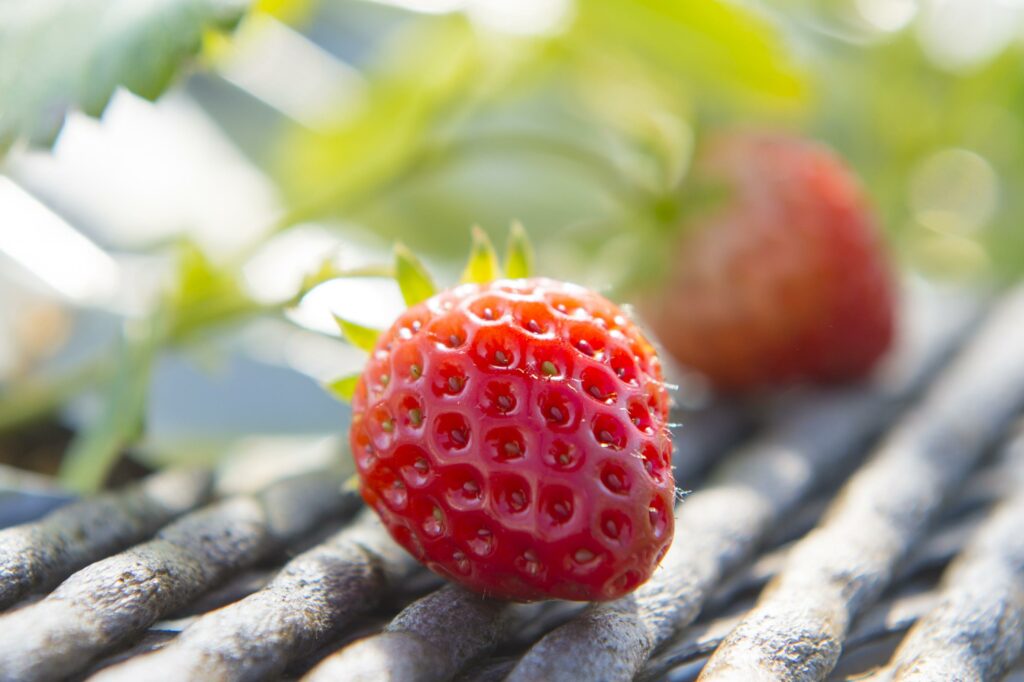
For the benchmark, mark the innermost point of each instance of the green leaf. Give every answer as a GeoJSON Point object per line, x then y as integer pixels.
{"type": "Point", "coordinates": [716, 46]}
{"type": "Point", "coordinates": [56, 55]}
{"type": "Point", "coordinates": [519, 255]}
{"type": "Point", "coordinates": [482, 266]}
{"type": "Point", "coordinates": [204, 293]}
{"type": "Point", "coordinates": [413, 279]}
{"type": "Point", "coordinates": [358, 335]}
{"type": "Point", "coordinates": [343, 388]}
{"type": "Point", "coordinates": [412, 81]}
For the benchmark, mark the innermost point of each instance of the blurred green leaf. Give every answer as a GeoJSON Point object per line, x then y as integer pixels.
{"type": "Point", "coordinates": [647, 110]}
{"type": "Point", "coordinates": [344, 388]}
{"type": "Point", "coordinates": [600, 115]}
{"type": "Point", "coordinates": [413, 279]}
{"type": "Point", "coordinates": [482, 266]}
{"type": "Point", "coordinates": [61, 54]}
{"type": "Point", "coordinates": [519, 255]}
{"type": "Point", "coordinates": [204, 293]}
{"type": "Point", "coordinates": [888, 128]}
{"type": "Point", "coordinates": [420, 73]}
{"type": "Point", "coordinates": [358, 335]}
{"type": "Point", "coordinates": [716, 46]}
{"type": "Point", "coordinates": [288, 11]}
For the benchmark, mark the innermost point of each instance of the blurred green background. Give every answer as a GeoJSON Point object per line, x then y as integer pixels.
{"type": "Point", "coordinates": [184, 180]}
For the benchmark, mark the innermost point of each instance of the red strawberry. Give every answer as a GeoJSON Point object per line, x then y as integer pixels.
{"type": "Point", "coordinates": [786, 280]}
{"type": "Point", "coordinates": [512, 436]}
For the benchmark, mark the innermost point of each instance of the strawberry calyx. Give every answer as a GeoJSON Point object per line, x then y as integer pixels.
{"type": "Point", "coordinates": [416, 285]}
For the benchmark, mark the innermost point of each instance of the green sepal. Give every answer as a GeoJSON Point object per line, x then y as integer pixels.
{"type": "Point", "coordinates": [351, 484]}
{"type": "Point", "coordinates": [413, 279]}
{"type": "Point", "coordinates": [343, 388]}
{"type": "Point", "coordinates": [519, 254]}
{"type": "Point", "coordinates": [483, 260]}
{"type": "Point", "coordinates": [358, 335]}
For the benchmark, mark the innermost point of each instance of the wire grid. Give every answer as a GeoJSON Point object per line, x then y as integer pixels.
{"type": "Point", "coordinates": [884, 520]}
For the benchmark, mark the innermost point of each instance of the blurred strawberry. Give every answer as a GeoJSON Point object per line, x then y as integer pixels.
{"type": "Point", "coordinates": [785, 280]}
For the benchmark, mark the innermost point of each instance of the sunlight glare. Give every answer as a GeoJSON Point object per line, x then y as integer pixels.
{"type": "Point", "coordinates": [41, 242]}
{"type": "Point", "coordinates": [370, 301]}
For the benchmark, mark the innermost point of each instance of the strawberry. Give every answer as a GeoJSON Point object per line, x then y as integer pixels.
{"type": "Point", "coordinates": [512, 436]}
{"type": "Point", "coordinates": [783, 281]}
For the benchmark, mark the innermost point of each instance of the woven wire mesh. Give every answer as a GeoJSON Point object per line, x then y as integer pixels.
{"type": "Point", "coordinates": [885, 520]}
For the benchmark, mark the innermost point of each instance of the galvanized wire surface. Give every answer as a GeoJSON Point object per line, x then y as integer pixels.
{"type": "Point", "coordinates": [157, 582]}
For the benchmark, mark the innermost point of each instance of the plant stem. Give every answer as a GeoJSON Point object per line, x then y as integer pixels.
{"type": "Point", "coordinates": [94, 449]}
